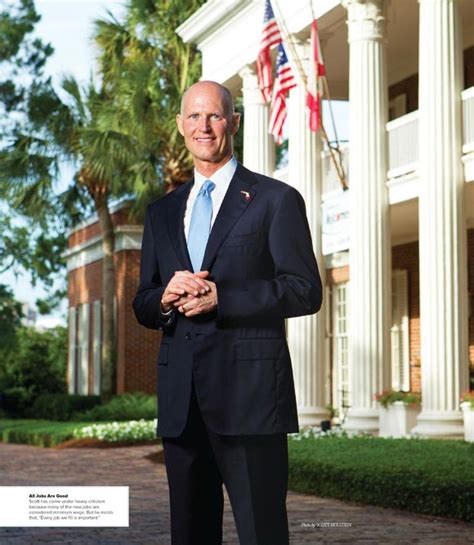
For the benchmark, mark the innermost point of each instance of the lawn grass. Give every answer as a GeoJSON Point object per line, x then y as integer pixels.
{"type": "Point", "coordinates": [42, 433]}
{"type": "Point", "coordinates": [429, 476]}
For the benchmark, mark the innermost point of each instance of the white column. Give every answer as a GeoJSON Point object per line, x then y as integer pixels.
{"type": "Point", "coordinates": [443, 264]}
{"type": "Point", "coordinates": [306, 334]}
{"type": "Point", "coordinates": [370, 247]}
{"type": "Point", "coordinates": [259, 148]}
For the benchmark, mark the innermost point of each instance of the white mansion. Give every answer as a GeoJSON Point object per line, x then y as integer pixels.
{"type": "Point", "coordinates": [397, 248]}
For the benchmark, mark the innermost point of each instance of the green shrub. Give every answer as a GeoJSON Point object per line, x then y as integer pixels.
{"type": "Point", "coordinates": [131, 406]}
{"type": "Point", "coordinates": [388, 397]}
{"type": "Point", "coordinates": [36, 366]}
{"type": "Point", "coordinates": [426, 476]}
{"type": "Point", "coordinates": [60, 406]}
{"type": "Point", "coordinates": [15, 400]}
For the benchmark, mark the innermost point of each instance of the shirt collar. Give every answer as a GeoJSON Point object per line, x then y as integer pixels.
{"type": "Point", "coordinates": [222, 176]}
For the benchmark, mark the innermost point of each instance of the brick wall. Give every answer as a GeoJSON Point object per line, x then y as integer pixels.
{"type": "Point", "coordinates": [337, 276]}
{"type": "Point", "coordinates": [137, 347]}
{"type": "Point", "coordinates": [120, 217]}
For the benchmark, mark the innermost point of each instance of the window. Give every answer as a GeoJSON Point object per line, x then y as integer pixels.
{"type": "Point", "coordinates": [340, 348]}
{"type": "Point", "coordinates": [339, 327]}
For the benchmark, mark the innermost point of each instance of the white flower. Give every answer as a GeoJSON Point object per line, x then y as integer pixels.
{"type": "Point", "coordinates": [119, 431]}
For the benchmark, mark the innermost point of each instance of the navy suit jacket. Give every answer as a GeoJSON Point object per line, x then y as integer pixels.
{"type": "Point", "coordinates": [260, 256]}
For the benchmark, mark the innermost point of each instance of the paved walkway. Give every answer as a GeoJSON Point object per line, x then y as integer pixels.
{"type": "Point", "coordinates": [149, 514]}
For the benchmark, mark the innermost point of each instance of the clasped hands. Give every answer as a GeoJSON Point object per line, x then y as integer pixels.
{"type": "Point", "coordinates": [190, 293]}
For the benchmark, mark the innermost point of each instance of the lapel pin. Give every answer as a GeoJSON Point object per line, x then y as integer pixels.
{"type": "Point", "coordinates": [246, 194]}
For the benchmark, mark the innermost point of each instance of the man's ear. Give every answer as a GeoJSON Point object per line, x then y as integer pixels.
{"type": "Point", "coordinates": [235, 122]}
{"type": "Point", "coordinates": [179, 122]}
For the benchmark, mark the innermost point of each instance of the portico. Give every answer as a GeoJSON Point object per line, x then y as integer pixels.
{"type": "Point", "coordinates": [410, 169]}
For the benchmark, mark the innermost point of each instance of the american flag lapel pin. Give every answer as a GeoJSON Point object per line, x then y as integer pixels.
{"type": "Point", "coordinates": [246, 194]}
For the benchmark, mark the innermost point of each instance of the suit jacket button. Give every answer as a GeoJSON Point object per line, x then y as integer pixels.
{"type": "Point", "coordinates": [188, 336]}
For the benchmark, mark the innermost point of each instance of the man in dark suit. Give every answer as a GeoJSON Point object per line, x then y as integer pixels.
{"type": "Point", "coordinates": [225, 259]}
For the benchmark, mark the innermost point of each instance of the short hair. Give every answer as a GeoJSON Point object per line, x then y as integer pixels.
{"type": "Point", "coordinates": [227, 99]}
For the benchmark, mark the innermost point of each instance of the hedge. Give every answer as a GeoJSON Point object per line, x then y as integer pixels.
{"type": "Point", "coordinates": [428, 476]}
{"type": "Point", "coordinates": [41, 433]}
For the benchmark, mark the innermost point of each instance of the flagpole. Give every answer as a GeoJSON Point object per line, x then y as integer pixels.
{"type": "Point", "coordinates": [291, 46]}
{"type": "Point", "coordinates": [337, 164]}
{"type": "Point", "coordinates": [286, 36]}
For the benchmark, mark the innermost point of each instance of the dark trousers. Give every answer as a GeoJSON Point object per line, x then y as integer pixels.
{"type": "Point", "coordinates": [254, 470]}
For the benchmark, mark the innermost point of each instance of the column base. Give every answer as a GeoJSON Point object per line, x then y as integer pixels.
{"type": "Point", "coordinates": [312, 416]}
{"type": "Point", "coordinates": [361, 420]}
{"type": "Point", "coordinates": [439, 425]}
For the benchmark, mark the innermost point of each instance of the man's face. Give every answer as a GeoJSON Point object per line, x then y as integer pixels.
{"type": "Point", "coordinates": [205, 125]}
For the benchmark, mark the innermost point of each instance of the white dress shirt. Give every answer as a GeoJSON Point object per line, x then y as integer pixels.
{"type": "Point", "coordinates": [221, 178]}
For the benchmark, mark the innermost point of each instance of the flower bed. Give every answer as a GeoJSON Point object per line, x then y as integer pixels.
{"type": "Point", "coordinates": [134, 430]}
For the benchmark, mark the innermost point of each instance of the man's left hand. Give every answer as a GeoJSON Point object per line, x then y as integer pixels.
{"type": "Point", "coordinates": [190, 305]}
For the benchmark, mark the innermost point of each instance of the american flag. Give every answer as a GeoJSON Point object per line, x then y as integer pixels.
{"type": "Point", "coordinates": [270, 36]}
{"type": "Point", "coordinates": [317, 72]}
{"type": "Point", "coordinates": [284, 81]}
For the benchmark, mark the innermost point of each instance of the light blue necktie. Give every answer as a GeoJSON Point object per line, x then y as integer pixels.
{"type": "Point", "coordinates": [200, 224]}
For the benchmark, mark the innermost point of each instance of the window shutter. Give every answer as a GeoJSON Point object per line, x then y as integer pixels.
{"type": "Point", "coordinates": [400, 331]}
{"type": "Point", "coordinates": [97, 345]}
{"type": "Point", "coordinates": [72, 350]}
{"type": "Point", "coordinates": [83, 353]}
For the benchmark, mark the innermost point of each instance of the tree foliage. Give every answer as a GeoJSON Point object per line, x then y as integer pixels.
{"type": "Point", "coordinates": [146, 68]}
{"type": "Point", "coordinates": [10, 317]}
{"type": "Point", "coordinates": [22, 60]}
{"type": "Point", "coordinates": [36, 366]}
{"type": "Point", "coordinates": [119, 135]}
{"type": "Point", "coordinates": [22, 57]}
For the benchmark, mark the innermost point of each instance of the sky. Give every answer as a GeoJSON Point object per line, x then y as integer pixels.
{"type": "Point", "coordinates": [68, 25]}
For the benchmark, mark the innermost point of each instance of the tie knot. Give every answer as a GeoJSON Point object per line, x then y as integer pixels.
{"type": "Point", "coordinates": [207, 187]}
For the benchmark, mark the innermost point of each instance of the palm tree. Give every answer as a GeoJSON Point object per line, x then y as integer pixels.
{"type": "Point", "coordinates": [146, 67]}
{"type": "Point", "coordinates": [75, 128]}
{"type": "Point", "coordinates": [122, 139]}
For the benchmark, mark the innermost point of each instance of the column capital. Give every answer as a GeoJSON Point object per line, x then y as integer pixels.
{"type": "Point", "coordinates": [246, 72]}
{"type": "Point", "coordinates": [250, 89]}
{"type": "Point", "coordinates": [366, 19]}
{"type": "Point", "coordinates": [259, 148]}
{"type": "Point", "coordinates": [300, 62]}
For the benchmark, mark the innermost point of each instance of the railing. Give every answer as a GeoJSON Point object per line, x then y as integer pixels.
{"type": "Point", "coordinates": [468, 119]}
{"type": "Point", "coordinates": [331, 181]}
{"type": "Point", "coordinates": [402, 144]}
{"type": "Point", "coordinates": [403, 137]}
{"type": "Point", "coordinates": [403, 151]}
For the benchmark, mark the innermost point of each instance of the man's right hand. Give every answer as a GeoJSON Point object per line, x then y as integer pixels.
{"type": "Point", "coordinates": [184, 282]}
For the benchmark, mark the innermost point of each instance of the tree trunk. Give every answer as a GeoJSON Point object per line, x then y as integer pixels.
{"type": "Point", "coordinates": [108, 372]}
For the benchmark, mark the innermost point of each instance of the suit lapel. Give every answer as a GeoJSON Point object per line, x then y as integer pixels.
{"type": "Point", "coordinates": [238, 196]}
{"type": "Point", "coordinates": [175, 211]}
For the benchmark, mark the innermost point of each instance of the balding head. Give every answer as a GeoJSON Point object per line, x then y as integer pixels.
{"type": "Point", "coordinates": [206, 86]}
